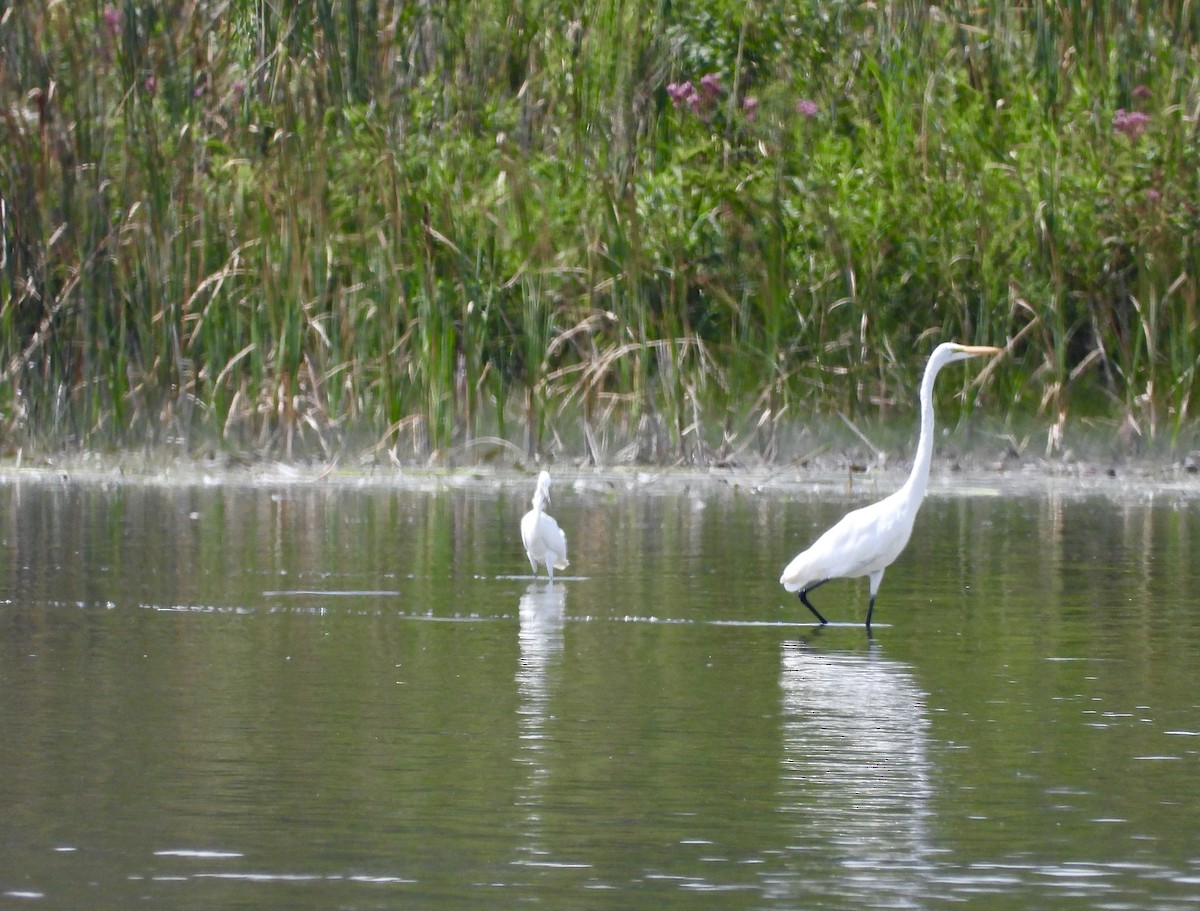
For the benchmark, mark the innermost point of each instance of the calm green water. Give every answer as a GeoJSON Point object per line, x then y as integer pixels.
{"type": "Point", "coordinates": [326, 697]}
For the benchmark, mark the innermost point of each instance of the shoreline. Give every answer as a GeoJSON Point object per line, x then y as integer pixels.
{"type": "Point", "coordinates": [954, 475]}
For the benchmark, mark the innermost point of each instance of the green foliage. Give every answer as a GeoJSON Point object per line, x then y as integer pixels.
{"type": "Point", "coordinates": [281, 228]}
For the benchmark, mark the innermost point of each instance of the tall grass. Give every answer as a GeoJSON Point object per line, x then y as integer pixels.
{"type": "Point", "coordinates": [322, 229]}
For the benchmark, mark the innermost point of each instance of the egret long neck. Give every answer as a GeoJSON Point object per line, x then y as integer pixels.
{"type": "Point", "coordinates": [919, 479]}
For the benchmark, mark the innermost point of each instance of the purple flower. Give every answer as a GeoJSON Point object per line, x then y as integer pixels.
{"type": "Point", "coordinates": [702, 100]}
{"type": "Point", "coordinates": [1142, 91]}
{"type": "Point", "coordinates": [680, 92]}
{"type": "Point", "coordinates": [807, 108]}
{"type": "Point", "coordinates": [711, 85]}
{"type": "Point", "coordinates": [112, 19]}
{"type": "Point", "coordinates": [750, 107]}
{"type": "Point", "coordinates": [1153, 196]}
{"type": "Point", "coordinates": [1132, 123]}
{"type": "Point", "coordinates": [149, 85]}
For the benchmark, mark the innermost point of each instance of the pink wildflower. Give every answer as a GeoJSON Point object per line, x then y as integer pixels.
{"type": "Point", "coordinates": [112, 19]}
{"type": "Point", "coordinates": [807, 108]}
{"type": "Point", "coordinates": [680, 92]}
{"type": "Point", "coordinates": [750, 108]}
{"type": "Point", "coordinates": [1132, 123]}
{"type": "Point", "coordinates": [710, 85]}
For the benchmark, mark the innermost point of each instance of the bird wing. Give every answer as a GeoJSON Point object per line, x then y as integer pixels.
{"type": "Point", "coordinates": [553, 540]}
{"type": "Point", "coordinates": [861, 542]}
{"type": "Point", "coordinates": [529, 535]}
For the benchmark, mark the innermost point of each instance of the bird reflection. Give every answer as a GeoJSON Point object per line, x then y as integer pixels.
{"type": "Point", "coordinates": [542, 610]}
{"type": "Point", "coordinates": [541, 640]}
{"type": "Point", "coordinates": [857, 775]}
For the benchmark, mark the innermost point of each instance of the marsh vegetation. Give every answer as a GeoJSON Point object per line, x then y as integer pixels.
{"type": "Point", "coordinates": [648, 231]}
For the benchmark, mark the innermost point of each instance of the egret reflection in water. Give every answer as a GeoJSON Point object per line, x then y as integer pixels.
{"type": "Point", "coordinates": [542, 609]}
{"type": "Point", "coordinates": [857, 774]}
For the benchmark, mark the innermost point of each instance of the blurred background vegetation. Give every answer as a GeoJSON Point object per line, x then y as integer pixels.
{"type": "Point", "coordinates": [636, 230]}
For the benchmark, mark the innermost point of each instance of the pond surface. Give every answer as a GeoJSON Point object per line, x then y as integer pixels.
{"type": "Point", "coordinates": [327, 696]}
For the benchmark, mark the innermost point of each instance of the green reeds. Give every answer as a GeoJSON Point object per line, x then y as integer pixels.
{"type": "Point", "coordinates": [634, 233]}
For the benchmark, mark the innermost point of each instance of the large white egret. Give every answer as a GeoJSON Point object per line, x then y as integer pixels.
{"type": "Point", "coordinates": [867, 540]}
{"type": "Point", "coordinates": [544, 540]}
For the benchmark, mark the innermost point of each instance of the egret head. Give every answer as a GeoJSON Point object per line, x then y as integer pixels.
{"type": "Point", "coordinates": [949, 352]}
{"type": "Point", "coordinates": [543, 487]}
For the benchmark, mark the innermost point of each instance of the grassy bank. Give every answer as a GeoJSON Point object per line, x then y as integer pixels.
{"type": "Point", "coordinates": [658, 231]}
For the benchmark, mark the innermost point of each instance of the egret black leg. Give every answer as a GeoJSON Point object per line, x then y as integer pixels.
{"type": "Point", "coordinates": [870, 610]}
{"type": "Point", "coordinates": [804, 600]}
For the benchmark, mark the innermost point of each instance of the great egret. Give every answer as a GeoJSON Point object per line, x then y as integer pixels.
{"type": "Point", "coordinates": [867, 540]}
{"type": "Point", "coordinates": [544, 540]}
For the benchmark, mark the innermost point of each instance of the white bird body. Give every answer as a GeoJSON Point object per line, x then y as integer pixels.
{"type": "Point", "coordinates": [866, 541]}
{"type": "Point", "coordinates": [544, 541]}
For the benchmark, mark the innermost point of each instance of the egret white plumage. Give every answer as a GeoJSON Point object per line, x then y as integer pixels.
{"type": "Point", "coordinates": [544, 540]}
{"type": "Point", "coordinates": [866, 541]}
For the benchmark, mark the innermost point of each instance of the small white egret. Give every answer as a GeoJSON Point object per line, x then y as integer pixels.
{"type": "Point", "coordinates": [544, 540]}
{"type": "Point", "coordinates": [867, 540]}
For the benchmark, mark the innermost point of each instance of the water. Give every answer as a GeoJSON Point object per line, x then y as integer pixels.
{"type": "Point", "coordinates": [321, 696]}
